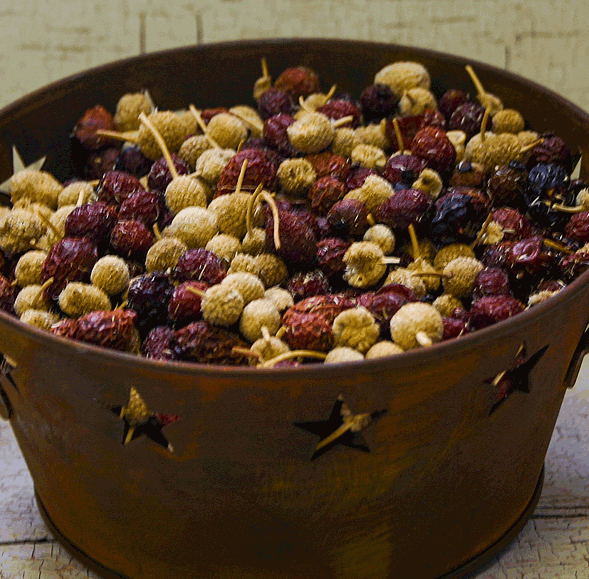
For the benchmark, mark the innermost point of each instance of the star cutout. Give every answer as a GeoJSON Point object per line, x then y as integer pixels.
{"type": "Point", "coordinates": [7, 366]}
{"type": "Point", "coordinates": [342, 427]}
{"type": "Point", "coordinates": [19, 165]}
{"type": "Point", "coordinates": [516, 378]}
{"type": "Point", "coordinates": [139, 421]}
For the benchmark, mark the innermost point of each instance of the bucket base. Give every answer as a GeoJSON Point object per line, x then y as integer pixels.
{"type": "Point", "coordinates": [463, 572]}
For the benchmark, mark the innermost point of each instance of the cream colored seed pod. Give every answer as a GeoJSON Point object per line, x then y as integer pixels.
{"type": "Point", "coordinates": [28, 268]}
{"type": "Point", "coordinates": [582, 199]}
{"type": "Point", "coordinates": [258, 314]}
{"type": "Point", "coordinates": [421, 266]}
{"type": "Point", "coordinates": [375, 190]}
{"type": "Point", "coordinates": [20, 230]}
{"type": "Point", "coordinates": [242, 262]}
{"type": "Point", "coordinates": [128, 109]}
{"type": "Point", "coordinates": [79, 299]}
{"type": "Point", "coordinates": [344, 141]}
{"type": "Point", "coordinates": [247, 284]}
{"type": "Point", "coordinates": [355, 328]}
{"type": "Point", "coordinates": [36, 186]}
{"type": "Point", "coordinates": [221, 305]}
{"type": "Point", "coordinates": [416, 325]}
{"type": "Point", "coordinates": [39, 209]}
{"type": "Point", "coordinates": [189, 121]}
{"type": "Point", "coordinates": [224, 246]}
{"type": "Point", "coordinates": [427, 250]}
{"type": "Point", "coordinates": [473, 151]}
{"type": "Point", "coordinates": [170, 127]}
{"type": "Point", "coordinates": [508, 121]}
{"type": "Point", "coordinates": [79, 192]}
{"type": "Point", "coordinates": [527, 137]}
{"type": "Point", "coordinates": [373, 134]}
{"type": "Point", "coordinates": [57, 232]}
{"type": "Point", "coordinates": [250, 117]}
{"type": "Point", "coordinates": [281, 298]}
{"type": "Point", "coordinates": [312, 133]}
{"type": "Point", "coordinates": [458, 140]}
{"type": "Point", "coordinates": [343, 354]}
{"type": "Point", "coordinates": [461, 273]}
{"type": "Point", "coordinates": [231, 211]}
{"type": "Point", "coordinates": [430, 182]}
{"type": "Point", "coordinates": [446, 304]}
{"type": "Point", "coordinates": [403, 75]}
{"type": "Point", "coordinates": [193, 147]}
{"type": "Point", "coordinates": [39, 318]}
{"type": "Point", "coordinates": [491, 102]}
{"type": "Point", "coordinates": [31, 297]}
{"type": "Point", "coordinates": [254, 241]}
{"type": "Point", "coordinates": [499, 150]}
{"type": "Point", "coordinates": [110, 274]}
{"type": "Point", "coordinates": [415, 101]}
{"type": "Point", "coordinates": [164, 254]}
{"type": "Point", "coordinates": [267, 349]}
{"type": "Point", "coordinates": [227, 130]}
{"type": "Point", "coordinates": [368, 156]}
{"type": "Point", "coordinates": [405, 277]}
{"type": "Point", "coordinates": [383, 236]}
{"type": "Point", "coordinates": [194, 226]}
{"type": "Point", "coordinates": [540, 297]}
{"type": "Point", "coordinates": [364, 264]}
{"type": "Point", "coordinates": [493, 234]}
{"type": "Point", "coordinates": [296, 176]}
{"type": "Point", "coordinates": [211, 163]}
{"type": "Point", "coordinates": [185, 192]}
{"type": "Point", "coordinates": [449, 252]}
{"type": "Point", "coordinates": [383, 349]}
{"type": "Point", "coordinates": [273, 270]}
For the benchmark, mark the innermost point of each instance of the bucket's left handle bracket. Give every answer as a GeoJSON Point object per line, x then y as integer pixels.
{"type": "Point", "coordinates": [577, 360]}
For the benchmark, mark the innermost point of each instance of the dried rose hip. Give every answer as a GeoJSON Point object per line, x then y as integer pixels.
{"type": "Point", "coordinates": [148, 297]}
{"type": "Point", "coordinates": [275, 134]}
{"type": "Point", "coordinates": [552, 149]}
{"type": "Point", "coordinates": [467, 117]}
{"type": "Point", "coordinates": [260, 170]}
{"type": "Point", "coordinates": [208, 114]}
{"type": "Point", "coordinates": [403, 169]}
{"type": "Point", "coordinates": [348, 218]}
{"type": "Point", "coordinates": [338, 109]}
{"type": "Point", "coordinates": [94, 119]}
{"type": "Point", "coordinates": [159, 176]}
{"type": "Point", "coordinates": [451, 100]}
{"type": "Point", "coordinates": [116, 186]}
{"type": "Point", "coordinates": [157, 344]}
{"type": "Point", "coordinates": [406, 207]}
{"type": "Point", "coordinates": [274, 102]}
{"type": "Point", "coordinates": [298, 243]}
{"type": "Point", "coordinates": [8, 293]}
{"type": "Point", "coordinates": [206, 344]}
{"type": "Point", "coordinates": [99, 162]}
{"type": "Point", "coordinates": [308, 332]}
{"type": "Point", "coordinates": [384, 305]}
{"type": "Point", "coordinates": [508, 184]}
{"type": "Point", "coordinates": [184, 304]}
{"type": "Point", "coordinates": [515, 226]}
{"type": "Point", "coordinates": [132, 160]}
{"type": "Point", "coordinates": [357, 176]}
{"type": "Point", "coordinates": [327, 307]}
{"type": "Point", "coordinates": [491, 281]}
{"type": "Point", "coordinates": [435, 148]}
{"type": "Point", "coordinates": [307, 284]}
{"type": "Point", "coordinates": [145, 206]}
{"type": "Point", "coordinates": [492, 309]}
{"type": "Point", "coordinates": [578, 227]}
{"type": "Point", "coordinates": [453, 328]}
{"type": "Point", "coordinates": [467, 175]}
{"type": "Point", "coordinates": [199, 265]}
{"type": "Point", "coordinates": [572, 266]}
{"type": "Point", "coordinates": [328, 164]}
{"type": "Point", "coordinates": [110, 329]}
{"type": "Point", "coordinates": [330, 256]}
{"type": "Point", "coordinates": [378, 101]}
{"type": "Point", "coordinates": [324, 193]}
{"type": "Point", "coordinates": [131, 239]}
{"type": "Point", "coordinates": [94, 221]}
{"type": "Point", "coordinates": [298, 81]}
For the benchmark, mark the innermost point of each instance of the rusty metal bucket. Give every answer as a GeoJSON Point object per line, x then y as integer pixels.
{"type": "Point", "coordinates": [433, 487]}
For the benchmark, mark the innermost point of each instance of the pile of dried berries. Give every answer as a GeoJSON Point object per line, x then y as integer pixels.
{"type": "Point", "coordinates": [312, 227]}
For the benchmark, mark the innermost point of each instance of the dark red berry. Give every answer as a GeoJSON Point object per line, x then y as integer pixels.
{"type": "Point", "coordinates": [157, 344]}
{"type": "Point", "coordinates": [184, 305]}
{"type": "Point", "coordinates": [94, 119]}
{"type": "Point", "coordinates": [467, 175]}
{"type": "Point", "coordinates": [94, 221]}
{"type": "Point", "coordinates": [298, 242]}
{"type": "Point", "coordinates": [515, 226]}
{"type": "Point", "coordinates": [492, 309]}
{"type": "Point", "coordinates": [100, 162]}
{"type": "Point", "coordinates": [403, 169]}
{"type": "Point", "coordinates": [348, 218]}
{"type": "Point", "coordinates": [324, 193]}
{"type": "Point", "coordinates": [404, 208]}
{"type": "Point", "coordinates": [572, 266]}
{"type": "Point", "coordinates": [451, 100]}
{"type": "Point", "coordinates": [327, 307]}
{"type": "Point", "coordinates": [453, 328]}
{"type": "Point", "coordinates": [144, 206]}
{"type": "Point", "coordinates": [275, 134]}
{"type": "Point", "coordinates": [491, 281]}
{"type": "Point", "coordinates": [208, 114]}
{"type": "Point", "coordinates": [148, 297]}
{"type": "Point", "coordinates": [467, 117]}
{"type": "Point", "coordinates": [274, 102]}
{"type": "Point", "coordinates": [378, 101]}
{"type": "Point", "coordinates": [307, 284]}
{"type": "Point", "coordinates": [131, 239]}
{"type": "Point", "coordinates": [110, 329]}
{"type": "Point", "coordinates": [308, 332]}
{"type": "Point", "coordinates": [159, 176]}
{"type": "Point", "coordinates": [328, 164]}
{"type": "Point", "coordinates": [507, 186]}
{"type": "Point", "coordinates": [330, 256]}
{"type": "Point", "coordinates": [357, 176]}
{"type": "Point", "coordinates": [383, 306]}
{"type": "Point", "coordinates": [298, 81]}
{"type": "Point", "coordinates": [133, 161]}
{"type": "Point", "coordinates": [116, 186]}
{"type": "Point", "coordinates": [8, 293]}
{"type": "Point", "coordinates": [435, 148]}
{"type": "Point", "coordinates": [552, 149]}
{"type": "Point", "coordinates": [200, 265]}
{"type": "Point", "coordinates": [578, 227]}
{"type": "Point", "coordinates": [338, 109]}
{"type": "Point", "coordinates": [260, 170]}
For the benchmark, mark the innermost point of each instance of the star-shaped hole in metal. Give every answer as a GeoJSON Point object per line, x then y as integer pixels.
{"type": "Point", "coordinates": [342, 427]}
{"type": "Point", "coordinates": [139, 421]}
{"type": "Point", "coordinates": [7, 366]}
{"type": "Point", "coordinates": [515, 378]}
{"type": "Point", "coordinates": [18, 165]}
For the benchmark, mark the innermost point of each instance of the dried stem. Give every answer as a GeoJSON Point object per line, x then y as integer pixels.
{"type": "Point", "coordinates": [567, 209]}
{"type": "Point", "coordinates": [342, 121]}
{"type": "Point", "coordinates": [475, 80]}
{"type": "Point", "coordinates": [162, 144]}
{"type": "Point", "coordinates": [196, 291]}
{"type": "Point", "coordinates": [265, 71]}
{"type": "Point", "coordinates": [128, 136]}
{"type": "Point", "coordinates": [130, 433]}
{"type": "Point", "coordinates": [246, 352]}
{"type": "Point", "coordinates": [48, 224]}
{"type": "Point", "coordinates": [241, 176]}
{"type": "Point", "coordinates": [557, 246]}
{"type": "Point", "coordinates": [399, 136]}
{"type": "Point", "coordinates": [484, 124]}
{"type": "Point", "coordinates": [250, 208]}
{"type": "Point", "coordinates": [414, 242]}
{"type": "Point", "coordinates": [293, 354]}
{"type": "Point", "coordinates": [268, 198]}
{"type": "Point", "coordinates": [530, 146]}
{"type": "Point", "coordinates": [482, 231]}
{"type": "Point", "coordinates": [156, 232]}
{"type": "Point", "coordinates": [280, 333]}
{"type": "Point", "coordinates": [203, 127]}
{"type": "Point", "coordinates": [370, 220]}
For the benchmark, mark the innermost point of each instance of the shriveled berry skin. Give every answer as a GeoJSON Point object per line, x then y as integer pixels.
{"type": "Point", "coordinates": [70, 259]}
{"type": "Point", "coordinates": [508, 186]}
{"type": "Point", "coordinates": [159, 176]}
{"type": "Point", "coordinates": [548, 180]}
{"type": "Point", "coordinates": [348, 218]}
{"type": "Point", "coordinates": [206, 344]}
{"type": "Point", "coordinates": [411, 125]}
{"type": "Point", "coordinates": [578, 227]}
{"type": "Point", "coordinates": [403, 169]}
{"type": "Point", "coordinates": [467, 175]}
{"type": "Point", "coordinates": [338, 109]}
{"type": "Point", "coordinates": [275, 135]}
{"type": "Point", "coordinates": [95, 221]}
{"type": "Point", "coordinates": [200, 265]}
{"type": "Point", "coordinates": [383, 305]}
{"type": "Point", "coordinates": [116, 186]}
{"type": "Point", "coordinates": [451, 100]}
{"type": "Point", "coordinates": [99, 162]}
{"type": "Point", "coordinates": [489, 310]}
{"type": "Point", "coordinates": [298, 81]}
{"type": "Point", "coordinates": [274, 102]}
{"type": "Point", "coordinates": [308, 332]}
{"type": "Point", "coordinates": [325, 193]}
{"type": "Point", "coordinates": [453, 328]}
{"type": "Point", "coordinates": [327, 307]}
{"type": "Point", "coordinates": [572, 266]}
{"type": "Point", "coordinates": [260, 170]}
{"type": "Point", "coordinates": [406, 207]}
{"type": "Point", "coordinates": [307, 284]}
{"type": "Point", "coordinates": [132, 160]}
{"type": "Point", "coordinates": [467, 117]}
{"type": "Point", "coordinates": [144, 206]}
{"type": "Point", "coordinates": [330, 256]}
{"type": "Point", "coordinates": [113, 329]}
{"type": "Point", "coordinates": [157, 344]}
{"type": "Point", "coordinates": [131, 239]}
{"type": "Point", "coordinates": [552, 149]}
{"type": "Point", "coordinates": [515, 225]}
{"type": "Point", "coordinates": [94, 119]}
{"type": "Point", "coordinates": [298, 243]}
{"type": "Point", "coordinates": [209, 113]}
{"type": "Point", "coordinates": [435, 148]}
{"type": "Point", "coordinates": [378, 101]}
{"type": "Point", "coordinates": [148, 297]}
{"type": "Point", "coordinates": [357, 176]}
{"type": "Point", "coordinates": [8, 294]}
{"type": "Point", "coordinates": [491, 281]}
{"type": "Point", "coordinates": [327, 164]}
{"type": "Point", "coordinates": [184, 305]}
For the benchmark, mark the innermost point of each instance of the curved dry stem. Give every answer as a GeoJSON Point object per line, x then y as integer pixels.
{"type": "Point", "coordinates": [342, 121]}
{"type": "Point", "coordinates": [280, 333]}
{"type": "Point", "coordinates": [530, 147]}
{"type": "Point", "coordinates": [160, 141]}
{"type": "Point", "coordinates": [196, 291]}
{"type": "Point", "coordinates": [568, 209]}
{"type": "Point", "coordinates": [128, 136]}
{"type": "Point", "coordinates": [265, 71]}
{"type": "Point", "coordinates": [268, 198]}
{"type": "Point", "coordinates": [482, 231]}
{"type": "Point", "coordinates": [399, 136]}
{"type": "Point", "coordinates": [414, 242]}
{"type": "Point", "coordinates": [305, 106]}
{"type": "Point", "coordinates": [203, 127]}
{"type": "Point", "coordinates": [241, 176]}
{"type": "Point", "coordinates": [48, 224]}
{"type": "Point", "coordinates": [156, 232]}
{"type": "Point", "coordinates": [246, 352]}
{"type": "Point", "coordinates": [265, 334]}
{"type": "Point", "coordinates": [475, 80]}
{"type": "Point", "coordinates": [484, 124]}
{"type": "Point", "coordinates": [370, 220]}
{"type": "Point", "coordinates": [557, 246]}
{"type": "Point", "coordinates": [293, 354]}
{"type": "Point", "coordinates": [250, 208]}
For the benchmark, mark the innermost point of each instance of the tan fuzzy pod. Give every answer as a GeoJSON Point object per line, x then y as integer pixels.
{"type": "Point", "coordinates": [36, 186]}
{"type": "Point", "coordinates": [185, 192]}
{"type": "Point", "coordinates": [128, 109]}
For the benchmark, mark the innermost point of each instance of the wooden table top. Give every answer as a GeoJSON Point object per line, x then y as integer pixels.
{"type": "Point", "coordinates": [553, 545]}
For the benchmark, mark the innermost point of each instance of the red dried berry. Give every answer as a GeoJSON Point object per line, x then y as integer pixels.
{"type": "Point", "coordinates": [131, 239]}
{"type": "Point", "coordinates": [578, 227]}
{"type": "Point", "coordinates": [453, 328]}
{"type": "Point", "coordinates": [260, 170]}
{"type": "Point", "coordinates": [275, 134]}
{"type": "Point", "coordinates": [205, 344]}
{"type": "Point", "coordinates": [357, 176]}
{"type": "Point", "coordinates": [327, 164]}
{"type": "Point", "coordinates": [116, 186]}
{"type": "Point", "coordinates": [405, 207]}
{"type": "Point", "coordinates": [528, 256]}
{"type": "Point", "coordinates": [552, 149]}
{"type": "Point", "coordinates": [330, 256]}
{"type": "Point", "coordinates": [348, 218]}
{"type": "Point", "coordinates": [324, 193]}
{"type": "Point", "coordinates": [184, 305]}
{"type": "Point", "coordinates": [157, 344]}
{"type": "Point", "coordinates": [70, 259]}
{"type": "Point", "coordinates": [133, 161]}
{"type": "Point", "coordinates": [298, 242]}
{"type": "Point", "coordinates": [100, 162]}
{"type": "Point", "coordinates": [148, 297]}
{"type": "Point", "coordinates": [208, 114]}
{"type": "Point", "coordinates": [403, 169]}
{"type": "Point", "coordinates": [515, 225]}
{"type": "Point", "coordinates": [508, 185]}
{"type": "Point", "coordinates": [435, 148]}
{"type": "Point", "coordinates": [308, 332]}
{"type": "Point", "coordinates": [110, 329]}
{"type": "Point", "coordinates": [159, 176]}
{"type": "Point", "coordinates": [410, 126]}
{"type": "Point", "coordinates": [200, 265]}
{"type": "Point", "coordinates": [94, 221]}
{"type": "Point", "coordinates": [492, 309]}
{"type": "Point", "coordinates": [384, 305]}
{"type": "Point", "coordinates": [338, 109]}
{"type": "Point", "coordinates": [467, 175]}
{"type": "Point", "coordinates": [467, 117]}
{"type": "Point", "coordinates": [8, 293]}
{"type": "Point", "coordinates": [572, 266]}
{"type": "Point", "coordinates": [451, 100]}
{"type": "Point", "coordinates": [94, 119]}
{"type": "Point", "coordinates": [307, 284]}
{"type": "Point", "coordinates": [298, 81]}
{"type": "Point", "coordinates": [327, 307]}
{"type": "Point", "coordinates": [491, 281]}
{"type": "Point", "coordinates": [274, 102]}
{"type": "Point", "coordinates": [65, 328]}
{"type": "Point", "coordinates": [378, 101]}
{"type": "Point", "coordinates": [145, 206]}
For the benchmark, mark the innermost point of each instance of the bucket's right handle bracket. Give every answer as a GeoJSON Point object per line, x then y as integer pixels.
{"type": "Point", "coordinates": [577, 360]}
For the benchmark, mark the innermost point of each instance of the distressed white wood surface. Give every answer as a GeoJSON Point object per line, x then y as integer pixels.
{"type": "Point", "coordinates": [553, 545]}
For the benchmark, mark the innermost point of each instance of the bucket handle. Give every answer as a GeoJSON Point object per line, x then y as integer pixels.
{"type": "Point", "coordinates": [577, 359]}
